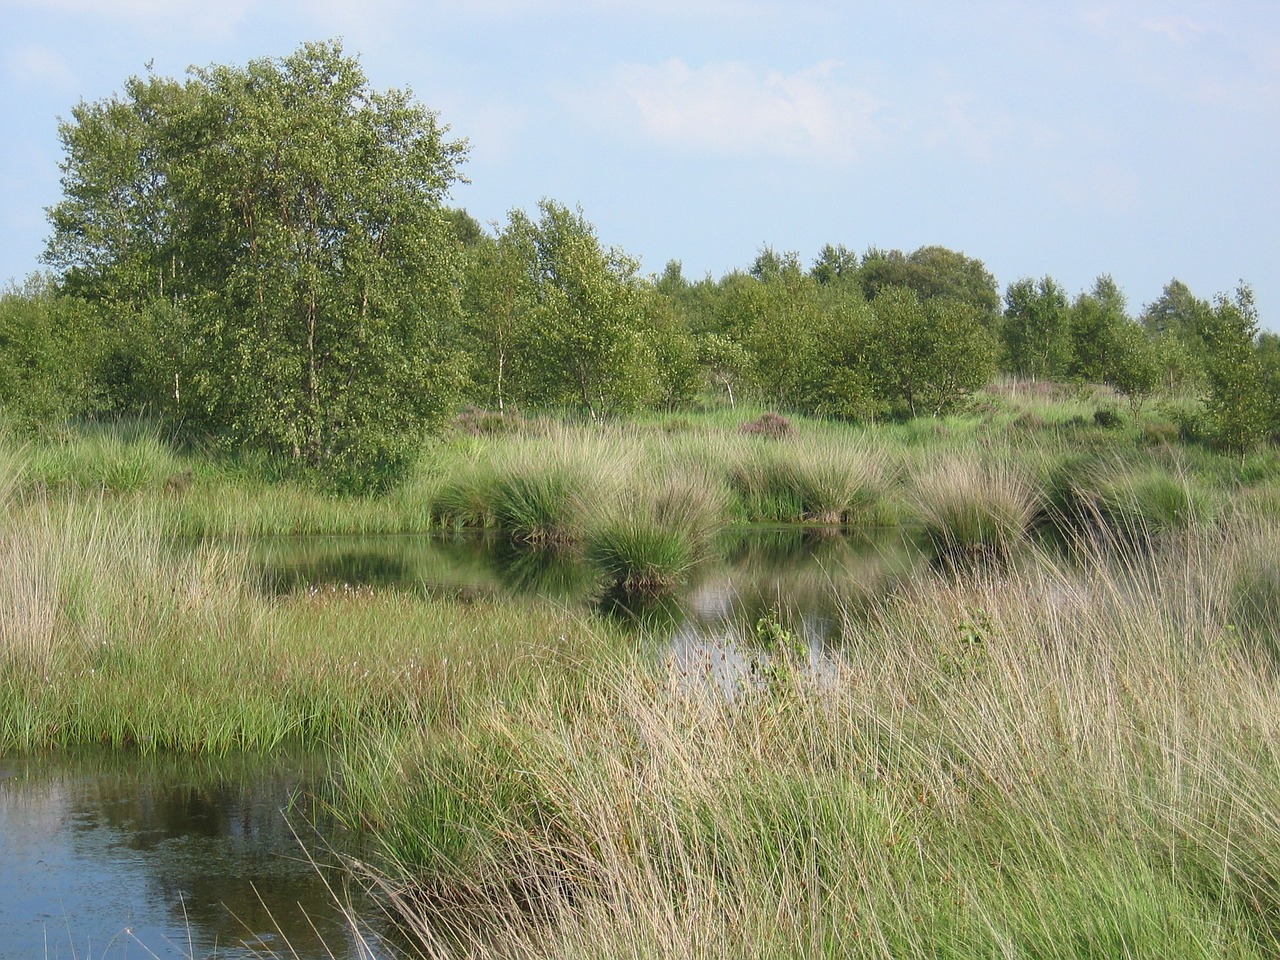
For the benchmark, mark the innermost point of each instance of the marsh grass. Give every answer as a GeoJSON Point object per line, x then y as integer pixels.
{"type": "Point", "coordinates": [545, 488]}
{"type": "Point", "coordinates": [1152, 502]}
{"type": "Point", "coordinates": [1081, 766]}
{"type": "Point", "coordinates": [972, 509]}
{"type": "Point", "coordinates": [808, 481]}
{"type": "Point", "coordinates": [108, 634]}
{"type": "Point", "coordinates": [658, 530]}
{"type": "Point", "coordinates": [13, 470]}
{"type": "Point", "coordinates": [118, 458]}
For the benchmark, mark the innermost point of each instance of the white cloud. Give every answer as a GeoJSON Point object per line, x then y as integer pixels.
{"type": "Point", "coordinates": [38, 67]}
{"type": "Point", "coordinates": [730, 107]}
{"type": "Point", "coordinates": [964, 127]}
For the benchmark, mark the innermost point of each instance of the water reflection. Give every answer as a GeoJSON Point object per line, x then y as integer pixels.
{"type": "Point", "coordinates": [106, 855]}
{"type": "Point", "coordinates": [805, 568]}
{"type": "Point", "coordinates": [810, 581]}
{"type": "Point", "coordinates": [111, 856]}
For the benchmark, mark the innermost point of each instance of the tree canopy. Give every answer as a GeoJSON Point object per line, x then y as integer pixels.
{"type": "Point", "coordinates": [292, 219]}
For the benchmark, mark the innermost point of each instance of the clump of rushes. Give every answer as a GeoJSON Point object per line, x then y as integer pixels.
{"type": "Point", "coordinates": [541, 503]}
{"type": "Point", "coordinates": [116, 458]}
{"type": "Point", "coordinates": [971, 509]}
{"type": "Point", "coordinates": [542, 490]}
{"type": "Point", "coordinates": [658, 531]}
{"type": "Point", "coordinates": [837, 482]}
{"type": "Point", "coordinates": [807, 482]}
{"type": "Point", "coordinates": [1151, 502]}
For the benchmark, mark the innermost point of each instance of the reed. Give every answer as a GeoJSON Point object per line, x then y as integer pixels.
{"type": "Point", "coordinates": [973, 509]}
{"type": "Point", "coordinates": [1072, 768]}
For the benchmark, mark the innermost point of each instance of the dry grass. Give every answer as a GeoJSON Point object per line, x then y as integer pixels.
{"type": "Point", "coordinates": [1077, 758]}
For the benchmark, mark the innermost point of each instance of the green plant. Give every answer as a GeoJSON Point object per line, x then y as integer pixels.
{"type": "Point", "coordinates": [974, 509]}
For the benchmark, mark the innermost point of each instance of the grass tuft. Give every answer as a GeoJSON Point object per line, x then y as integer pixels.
{"type": "Point", "coordinates": [970, 509]}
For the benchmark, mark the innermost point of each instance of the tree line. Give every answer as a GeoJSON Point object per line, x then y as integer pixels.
{"type": "Point", "coordinates": [264, 256]}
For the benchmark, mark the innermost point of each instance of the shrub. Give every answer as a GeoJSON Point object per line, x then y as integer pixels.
{"type": "Point", "coordinates": [1107, 418]}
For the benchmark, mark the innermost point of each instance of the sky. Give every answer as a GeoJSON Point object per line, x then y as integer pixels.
{"type": "Point", "coordinates": [1044, 137]}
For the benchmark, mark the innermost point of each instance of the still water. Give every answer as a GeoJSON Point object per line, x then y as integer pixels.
{"type": "Point", "coordinates": [112, 855]}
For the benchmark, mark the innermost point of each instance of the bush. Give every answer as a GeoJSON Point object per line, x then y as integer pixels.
{"type": "Point", "coordinates": [1107, 417]}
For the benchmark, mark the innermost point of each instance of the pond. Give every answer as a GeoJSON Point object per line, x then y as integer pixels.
{"type": "Point", "coordinates": [112, 855]}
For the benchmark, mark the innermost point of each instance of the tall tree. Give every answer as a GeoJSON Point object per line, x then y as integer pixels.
{"type": "Point", "coordinates": [292, 216]}
{"type": "Point", "coordinates": [1036, 327]}
{"type": "Point", "coordinates": [927, 355]}
{"type": "Point", "coordinates": [1173, 321]}
{"type": "Point", "coordinates": [775, 314]}
{"type": "Point", "coordinates": [498, 301]}
{"type": "Point", "coordinates": [933, 272]}
{"type": "Point", "coordinates": [1237, 405]}
{"type": "Point", "coordinates": [835, 264]}
{"type": "Point", "coordinates": [585, 345]}
{"type": "Point", "coordinates": [1096, 318]}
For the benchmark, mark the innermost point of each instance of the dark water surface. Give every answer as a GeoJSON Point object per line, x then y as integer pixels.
{"type": "Point", "coordinates": [111, 855]}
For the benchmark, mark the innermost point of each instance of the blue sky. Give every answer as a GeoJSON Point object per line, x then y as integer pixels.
{"type": "Point", "coordinates": [1139, 139]}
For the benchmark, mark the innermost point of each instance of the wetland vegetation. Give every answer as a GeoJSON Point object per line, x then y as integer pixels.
{"type": "Point", "coordinates": [1035, 716]}
{"type": "Point", "coordinates": [1045, 721]}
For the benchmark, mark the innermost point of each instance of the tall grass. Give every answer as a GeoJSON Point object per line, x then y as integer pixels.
{"type": "Point", "coordinates": [541, 489]}
{"type": "Point", "coordinates": [108, 634]}
{"type": "Point", "coordinates": [658, 530]}
{"type": "Point", "coordinates": [808, 480]}
{"type": "Point", "coordinates": [974, 508]}
{"type": "Point", "coordinates": [123, 457]}
{"type": "Point", "coordinates": [1080, 764]}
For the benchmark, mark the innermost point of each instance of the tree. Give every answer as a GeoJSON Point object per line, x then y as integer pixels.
{"type": "Point", "coordinates": [1237, 405]}
{"type": "Point", "coordinates": [1036, 326]}
{"type": "Point", "coordinates": [1134, 366]}
{"type": "Point", "coordinates": [775, 314]}
{"type": "Point", "coordinates": [1095, 319]}
{"type": "Point", "coordinates": [835, 264]}
{"type": "Point", "coordinates": [927, 355]}
{"type": "Point", "coordinates": [498, 301]}
{"type": "Point", "coordinates": [1176, 311]}
{"type": "Point", "coordinates": [291, 216]}
{"type": "Point", "coordinates": [933, 272]}
{"type": "Point", "coordinates": [585, 344]}
{"type": "Point", "coordinates": [51, 348]}
{"type": "Point", "coordinates": [1269, 363]}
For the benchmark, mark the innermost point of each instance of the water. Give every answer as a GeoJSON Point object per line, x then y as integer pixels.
{"type": "Point", "coordinates": [111, 855]}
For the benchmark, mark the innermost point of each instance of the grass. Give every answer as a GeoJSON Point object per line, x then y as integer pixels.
{"type": "Point", "coordinates": [1071, 753]}
{"type": "Point", "coordinates": [974, 509]}
{"type": "Point", "coordinates": [109, 635]}
{"type": "Point", "coordinates": [657, 531]}
{"type": "Point", "coordinates": [1081, 765]}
